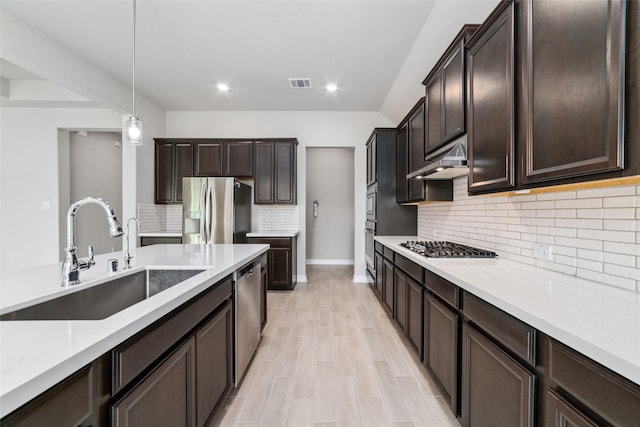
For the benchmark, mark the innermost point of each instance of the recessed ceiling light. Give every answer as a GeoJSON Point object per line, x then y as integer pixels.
{"type": "Point", "coordinates": [331, 87]}
{"type": "Point", "coordinates": [222, 87]}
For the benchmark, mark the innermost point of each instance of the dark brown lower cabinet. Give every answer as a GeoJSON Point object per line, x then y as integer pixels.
{"type": "Point", "coordinates": [281, 261]}
{"type": "Point", "coordinates": [496, 389]}
{"type": "Point", "coordinates": [561, 413]}
{"type": "Point", "coordinates": [166, 397]}
{"type": "Point", "coordinates": [264, 281]}
{"type": "Point", "coordinates": [414, 314]}
{"type": "Point", "coordinates": [387, 286]}
{"type": "Point", "coordinates": [153, 240]}
{"type": "Point", "coordinates": [214, 363]}
{"type": "Point", "coordinates": [441, 347]}
{"type": "Point", "coordinates": [400, 285]}
{"type": "Point", "coordinates": [379, 275]}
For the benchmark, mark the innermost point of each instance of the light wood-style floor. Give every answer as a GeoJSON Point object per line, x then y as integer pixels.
{"type": "Point", "coordinates": [329, 356]}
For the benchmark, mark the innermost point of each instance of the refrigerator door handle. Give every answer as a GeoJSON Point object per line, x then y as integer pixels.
{"type": "Point", "coordinates": [208, 233]}
{"type": "Point", "coordinates": [202, 208]}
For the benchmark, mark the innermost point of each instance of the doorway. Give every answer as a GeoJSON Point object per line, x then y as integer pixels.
{"type": "Point", "coordinates": [329, 224]}
{"type": "Point", "coordinates": [90, 164]}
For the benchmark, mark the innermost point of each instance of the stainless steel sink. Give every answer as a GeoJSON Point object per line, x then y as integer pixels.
{"type": "Point", "coordinates": [101, 301]}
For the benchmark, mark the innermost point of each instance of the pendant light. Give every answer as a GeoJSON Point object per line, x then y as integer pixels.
{"type": "Point", "coordinates": [134, 125]}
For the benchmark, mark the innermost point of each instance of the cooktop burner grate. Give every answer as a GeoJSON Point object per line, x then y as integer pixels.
{"type": "Point", "coordinates": [444, 249]}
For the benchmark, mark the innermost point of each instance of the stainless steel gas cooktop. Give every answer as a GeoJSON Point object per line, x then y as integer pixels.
{"type": "Point", "coordinates": [444, 249]}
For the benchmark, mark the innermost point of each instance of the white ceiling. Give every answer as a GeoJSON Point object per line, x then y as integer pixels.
{"type": "Point", "coordinates": [185, 47]}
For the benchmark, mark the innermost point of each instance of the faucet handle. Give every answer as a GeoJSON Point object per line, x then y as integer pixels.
{"type": "Point", "coordinates": [91, 253]}
{"type": "Point", "coordinates": [87, 263]}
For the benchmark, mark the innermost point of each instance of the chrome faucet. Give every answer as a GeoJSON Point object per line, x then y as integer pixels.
{"type": "Point", "coordinates": [71, 265]}
{"type": "Point", "coordinates": [127, 256]}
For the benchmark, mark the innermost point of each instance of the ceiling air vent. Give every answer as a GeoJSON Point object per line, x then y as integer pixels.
{"type": "Point", "coordinates": [300, 83]}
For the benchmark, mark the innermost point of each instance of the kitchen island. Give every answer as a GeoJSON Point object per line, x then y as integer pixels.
{"type": "Point", "coordinates": [36, 355]}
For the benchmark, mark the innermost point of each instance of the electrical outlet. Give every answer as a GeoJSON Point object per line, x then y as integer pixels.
{"type": "Point", "coordinates": [543, 251]}
{"type": "Point", "coordinates": [46, 205]}
{"type": "Point", "coordinates": [435, 233]}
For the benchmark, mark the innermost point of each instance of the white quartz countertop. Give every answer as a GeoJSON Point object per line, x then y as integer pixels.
{"type": "Point", "coordinates": [35, 355]}
{"type": "Point", "coordinates": [600, 321]}
{"type": "Point", "coordinates": [282, 233]}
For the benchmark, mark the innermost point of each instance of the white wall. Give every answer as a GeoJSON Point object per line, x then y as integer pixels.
{"type": "Point", "coordinates": [29, 176]}
{"type": "Point", "coordinates": [445, 21]}
{"type": "Point", "coordinates": [313, 129]}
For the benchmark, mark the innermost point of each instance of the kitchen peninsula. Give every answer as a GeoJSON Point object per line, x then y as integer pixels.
{"type": "Point", "coordinates": [38, 354]}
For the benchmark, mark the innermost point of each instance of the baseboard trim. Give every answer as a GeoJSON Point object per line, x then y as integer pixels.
{"type": "Point", "coordinates": [361, 279]}
{"type": "Point", "coordinates": [329, 262]}
{"type": "Point", "coordinates": [301, 278]}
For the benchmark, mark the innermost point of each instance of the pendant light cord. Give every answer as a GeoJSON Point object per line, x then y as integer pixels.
{"type": "Point", "coordinates": [134, 58]}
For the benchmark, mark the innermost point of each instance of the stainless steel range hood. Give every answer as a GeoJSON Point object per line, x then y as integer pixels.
{"type": "Point", "coordinates": [448, 162]}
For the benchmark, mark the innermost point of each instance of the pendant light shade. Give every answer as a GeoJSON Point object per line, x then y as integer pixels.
{"type": "Point", "coordinates": [133, 127]}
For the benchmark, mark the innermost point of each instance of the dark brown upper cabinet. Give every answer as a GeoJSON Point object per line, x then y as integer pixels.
{"type": "Point", "coordinates": [372, 173]}
{"type": "Point", "coordinates": [208, 158]}
{"type": "Point", "coordinates": [445, 94]}
{"type": "Point", "coordinates": [238, 159]}
{"type": "Point", "coordinates": [572, 89]}
{"type": "Point", "coordinates": [490, 103]}
{"type": "Point", "coordinates": [275, 171]}
{"type": "Point", "coordinates": [402, 164]}
{"type": "Point", "coordinates": [173, 161]}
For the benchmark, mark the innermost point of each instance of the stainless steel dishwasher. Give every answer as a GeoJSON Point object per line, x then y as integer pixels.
{"type": "Point", "coordinates": [247, 316]}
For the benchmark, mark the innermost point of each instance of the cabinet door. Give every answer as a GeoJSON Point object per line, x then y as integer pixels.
{"type": "Point", "coordinates": [184, 167]}
{"type": "Point", "coordinates": [496, 390]}
{"type": "Point", "coordinates": [387, 287]}
{"type": "Point", "coordinates": [280, 268]}
{"type": "Point", "coordinates": [441, 347]}
{"type": "Point", "coordinates": [414, 314]}
{"type": "Point", "coordinates": [400, 283]}
{"type": "Point", "coordinates": [490, 136]}
{"type": "Point", "coordinates": [402, 167]}
{"type": "Point", "coordinates": [213, 363]}
{"type": "Point", "coordinates": [572, 112]}
{"type": "Point", "coordinates": [379, 274]}
{"type": "Point", "coordinates": [263, 174]}
{"type": "Point", "coordinates": [416, 152]}
{"type": "Point", "coordinates": [453, 94]}
{"type": "Point", "coordinates": [264, 280]}
{"type": "Point", "coordinates": [166, 397]}
{"type": "Point", "coordinates": [208, 158]}
{"type": "Point", "coordinates": [371, 161]}
{"type": "Point", "coordinates": [164, 181]}
{"type": "Point", "coordinates": [433, 136]}
{"type": "Point", "coordinates": [561, 413]}
{"type": "Point", "coordinates": [238, 158]}
{"type": "Point", "coordinates": [285, 172]}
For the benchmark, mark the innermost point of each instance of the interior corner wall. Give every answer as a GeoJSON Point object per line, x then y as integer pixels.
{"type": "Point", "coordinates": [29, 176]}
{"type": "Point", "coordinates": [443, 23]}
{"type": "Point", "coordinates": [312, 129]}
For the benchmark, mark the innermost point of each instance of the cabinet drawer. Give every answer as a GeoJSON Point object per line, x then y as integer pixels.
{"type": "Point", "coordinates": [446, 290]}
{"type": "Point", "coordinates": [378, 247]}
{"type": "Point", "coordinates": [610, 396]}
{"type": "Point", "coordinates": [139, 352]}
{"type": "Point", "coordinates": [410, 267]}
{"type": "Point", "coordinates": [388, 253]}
{"type": "Point", "coordinates": [504, 328]}
{"type": "Point", "coordinates": [67, 404]}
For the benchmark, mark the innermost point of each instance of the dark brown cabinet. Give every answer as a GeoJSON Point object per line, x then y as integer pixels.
{"type": "Point", "coordinates": [496, 389]}
{"type": "Point", "coordinates": [157, 240]}
{"type": "Point", "coordinates": [372, 157]}
{"type": "Point", "coordinates": [561, 413]}
{"type": "Point", "coordinates": [173, 161]}
{"type": "Point", "coordinates": [414, 314]}
{"type": "Point", "coordinates": [264, 283]}
{"type": "Point", "coordinates": [445, 94]}
{"type": "Point", "coordinates": [238, 159]}
{"type": "Point", "coordinates": [377, 286]}
{"type": "Point", "coordinates": [572, 88]}
{"type": "Point", "coordinates": [207, 158]}
{"type": "Point", "coordinates": [166, 397]}
{"type": "Point", "coordinates": [402, 166]}
{"type": "Point", "coordinates": [414, 124]}
{"type": "Point", "coordinates": [281, 261]}
{"type": "Point", "coordinates": [387, 286]}
{"type": "Point", "coordinates": [400, 287]}
{"type": "Point", "coordinates": [490, 103]}
{"type": "Point", "coordinates": [441, 346]}
{"type": "Point", "coordinates": [214, 363]}
{"type": "Point", "coordinates": [275, 171]}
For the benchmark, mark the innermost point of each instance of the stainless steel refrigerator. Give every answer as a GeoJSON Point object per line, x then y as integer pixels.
{"type": "Point", "coordinates": [215, 210]}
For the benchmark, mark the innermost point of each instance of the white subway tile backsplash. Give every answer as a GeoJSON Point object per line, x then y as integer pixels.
{"type": "Point", "coordinates": [278, 218]}
{"type": "Point", "coordinates": [594, 233]}
{"type": "Point", "coordinates": [160, 218]}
